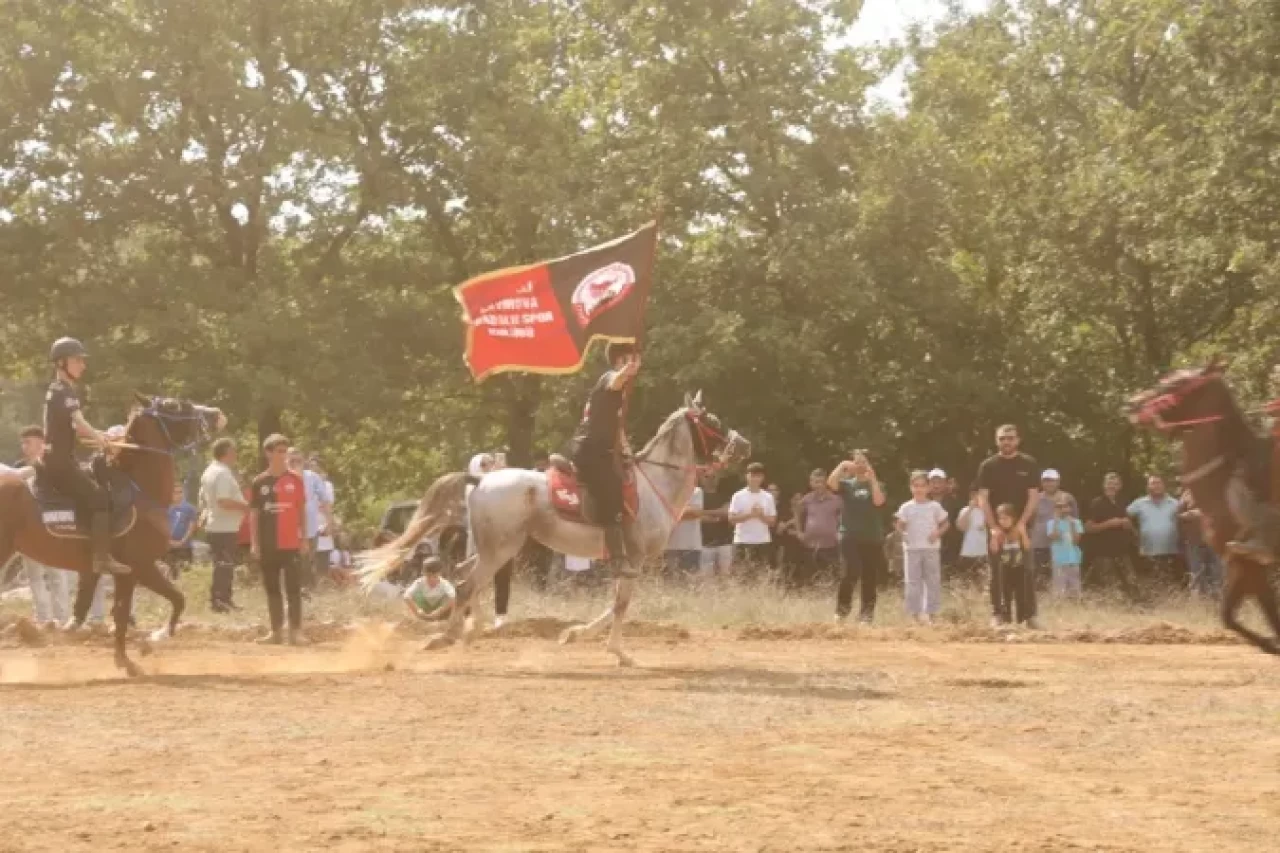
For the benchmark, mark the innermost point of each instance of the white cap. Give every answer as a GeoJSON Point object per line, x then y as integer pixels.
{"type": "Point", "coordinates": [1050, 474]}
{"type": "Point", "coordinates": [939, 473]}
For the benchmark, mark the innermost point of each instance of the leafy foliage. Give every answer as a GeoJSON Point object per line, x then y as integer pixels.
{"type": "Point", "coordinates": [264, 204]}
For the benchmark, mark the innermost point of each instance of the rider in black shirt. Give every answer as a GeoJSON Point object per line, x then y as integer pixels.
{"type": "Point", "coordinates": [601, 437]}
{"type": "Point", "coordinates": [64, 423]}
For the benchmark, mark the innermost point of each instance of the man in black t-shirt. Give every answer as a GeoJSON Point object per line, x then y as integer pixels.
{"type": "Point", "coordinates": [1111, 536]}
{"type": "Point", "coordinates": [600, 438]}
{"type": "Point", "coordinates": [717, 533]}
{"type": "Point", "coordinates": [1011, 478]}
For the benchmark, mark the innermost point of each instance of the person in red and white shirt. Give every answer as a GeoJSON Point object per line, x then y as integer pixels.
{"type": "Point", "coordinates": [277, 531]}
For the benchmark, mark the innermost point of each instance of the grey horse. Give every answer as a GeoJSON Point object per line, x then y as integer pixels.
{"type": "Point", "coordinates": [511, 505]}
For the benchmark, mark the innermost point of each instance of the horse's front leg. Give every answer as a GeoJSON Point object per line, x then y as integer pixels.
{"type": "Point", "coordinates": [121, 608]}
{"type": "Point", "coordinates": [621, 602]}
{"type": "Point", "coordinates": [1239, 584]}
{"type": "Point", "coordinates": [588, 631]}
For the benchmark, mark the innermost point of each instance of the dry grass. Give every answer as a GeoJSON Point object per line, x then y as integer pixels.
{"type": "Point", "coordinates": [708, 606]}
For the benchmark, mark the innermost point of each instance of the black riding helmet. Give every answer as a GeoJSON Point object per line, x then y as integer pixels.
{"type": "Point", "coordinates": [64, 348]}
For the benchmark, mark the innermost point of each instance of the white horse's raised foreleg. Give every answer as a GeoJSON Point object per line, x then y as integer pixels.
{"type": "Point", "coordinates": [621, 601]}
{"type": "Point", "coordinates": [589, 631]}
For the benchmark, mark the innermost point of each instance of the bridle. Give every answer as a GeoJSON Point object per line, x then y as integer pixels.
{"type": "Point", "coordinates": [164, 419]}
{"type": "Point", "coordinates": [1149, 412]}
{"type": "Point", "coordinates": [703, 434]}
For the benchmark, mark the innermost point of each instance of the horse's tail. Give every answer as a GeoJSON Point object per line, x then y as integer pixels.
{"type": "Point", "coordinates": [435, 512]}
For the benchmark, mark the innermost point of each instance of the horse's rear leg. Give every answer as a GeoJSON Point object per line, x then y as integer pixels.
{"type": "Point", "coordinates": [1242, 581]}
{"type": "Point", "coordinates": [156, 581]}
{"type": "Point", "coordinates": [486, 566]}
{"type": "Point", "coordinates": [121, 608]}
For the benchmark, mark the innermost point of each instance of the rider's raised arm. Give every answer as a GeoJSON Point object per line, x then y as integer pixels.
{"type": "Point", "coordinates": [618, 379]}
{"type": "Point", "coordinates": [837, 474]}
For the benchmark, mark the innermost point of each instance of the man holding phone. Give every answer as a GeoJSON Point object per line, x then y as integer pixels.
{"type": "Point", "coordinates": [861, 534]}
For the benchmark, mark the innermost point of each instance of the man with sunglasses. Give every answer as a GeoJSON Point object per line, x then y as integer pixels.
{"type": "Point", "coordinates": [1009, 477]}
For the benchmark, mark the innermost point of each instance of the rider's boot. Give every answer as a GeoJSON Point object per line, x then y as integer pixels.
{"type": "Point", "coordinates": [614, 543]}
{"type": "Point", "coordinates": [100, 534]}
{"type": "Point", "coordinates": [1259, 523]}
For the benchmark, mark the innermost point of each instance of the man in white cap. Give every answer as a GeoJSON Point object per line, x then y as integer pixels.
{"type": "Point", "coordinates": [940, 490]}
{"type": "Point", "coordinates": [1050, 491]}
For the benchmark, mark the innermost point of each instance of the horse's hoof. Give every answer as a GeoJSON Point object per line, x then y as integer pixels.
{"type": "Point", "coordinates": [568, 635]}
{"type": "Point", "coordinates": [130, 668]}
{"type": "Point", "coordinates": [159, 635]}
{"type": "Point", "coordinates": [439, 641]}
{"type": "Point", "coordinates": [624, 660]}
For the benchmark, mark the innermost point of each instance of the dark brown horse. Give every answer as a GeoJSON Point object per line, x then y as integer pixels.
{"type": "Point", "coordinates": [1197, 407]}
{"type": "Point", "coordinates": [157, 431]}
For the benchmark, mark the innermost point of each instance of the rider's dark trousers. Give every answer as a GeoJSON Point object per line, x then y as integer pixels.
{"type": "Point", "coordinates": [68, 478]}
{"type": "Point", "coordinates": [286, 565]}
{"type": "Point", "coordinates": [599, 471]}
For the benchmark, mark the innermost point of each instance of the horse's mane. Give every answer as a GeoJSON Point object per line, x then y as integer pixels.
{"type": "Point", "coordinates": [672, 421]}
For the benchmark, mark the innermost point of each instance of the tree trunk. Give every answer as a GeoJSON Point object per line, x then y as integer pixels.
{"type": "Point", "coordinates": [524, 396]}
{"type": "Point", "coordinates": [270, 422]}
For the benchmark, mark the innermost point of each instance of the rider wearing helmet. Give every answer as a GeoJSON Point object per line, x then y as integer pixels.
{"type": "Point", "coordinates": [601, 437]}
{"type": "Point", "coordinates": [64, 424]}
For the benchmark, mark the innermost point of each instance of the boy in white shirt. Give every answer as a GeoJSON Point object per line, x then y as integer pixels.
{"type": "Point", "coordinates": [431, 597]}
{"type": "Point", "coordinates": [922, 522]}
{"type": "Point", "coordinates": [753, 513]}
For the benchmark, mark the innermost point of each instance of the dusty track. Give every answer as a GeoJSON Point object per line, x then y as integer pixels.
{"type": "Point", "coordinates": [715, 743]}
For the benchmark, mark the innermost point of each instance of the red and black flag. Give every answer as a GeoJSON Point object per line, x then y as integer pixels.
{"type": "Point", "coordinates": [542, 318]}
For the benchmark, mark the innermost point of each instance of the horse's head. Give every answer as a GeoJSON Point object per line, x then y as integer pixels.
{"type": "Point", "coordinates": [1182, 399]}
{"type": "Point", "coordinates": [711, 441]}
{"type": "Point", "coordinates": [172, 425]}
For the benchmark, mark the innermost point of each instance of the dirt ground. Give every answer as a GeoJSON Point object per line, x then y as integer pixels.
{"type": "Point", "coordinates": [715, 743]}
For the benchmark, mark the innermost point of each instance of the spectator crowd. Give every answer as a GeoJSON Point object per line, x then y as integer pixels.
{"type": "Point", "coordinates": [1015, 530]}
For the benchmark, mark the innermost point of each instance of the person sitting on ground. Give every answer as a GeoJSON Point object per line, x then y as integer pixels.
{"type": "Point", "coordinates": [430, 598]}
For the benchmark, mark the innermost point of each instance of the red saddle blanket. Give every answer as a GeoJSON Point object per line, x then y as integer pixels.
{"type": "Point", "coordinates": [569, 497]}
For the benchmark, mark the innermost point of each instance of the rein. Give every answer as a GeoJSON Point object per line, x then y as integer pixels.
{"type": "Point", "coordinates": [701, 431]}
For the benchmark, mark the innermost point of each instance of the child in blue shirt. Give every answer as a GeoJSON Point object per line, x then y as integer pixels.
{"type": "Point", "coordinates": [1064, 532]}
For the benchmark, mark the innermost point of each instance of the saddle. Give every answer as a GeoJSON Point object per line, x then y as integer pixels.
{"type": "Point", "coordinates": [63, 519]}
{"type": "Point", "coordinates": [572, 499]}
